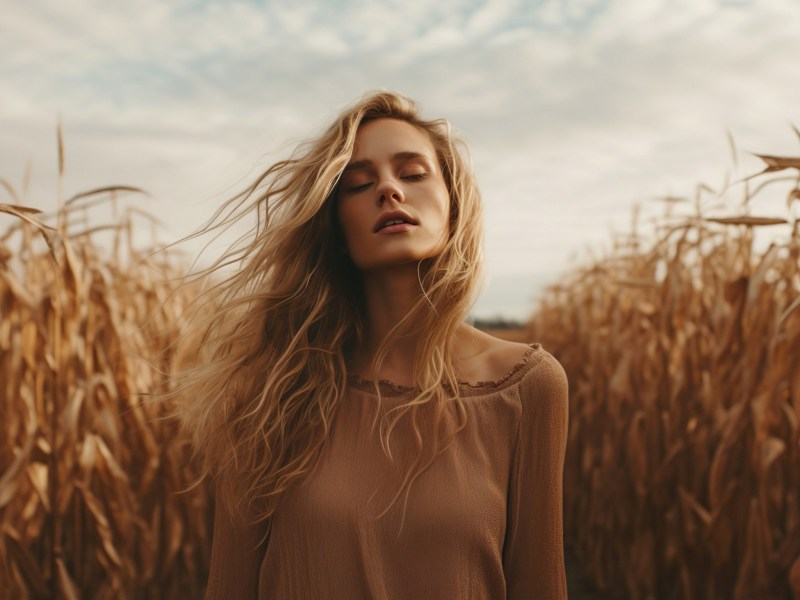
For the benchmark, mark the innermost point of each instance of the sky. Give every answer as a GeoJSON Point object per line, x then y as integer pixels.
{"type": "Point", "coordinates": [574, 111]}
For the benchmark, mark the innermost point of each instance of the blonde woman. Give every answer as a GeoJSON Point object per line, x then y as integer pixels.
{"type": "Point", "coordinates": [364, 441]}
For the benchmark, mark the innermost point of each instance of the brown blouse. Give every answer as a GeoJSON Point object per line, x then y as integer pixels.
{"type": "Point", "coordinates": [484, 521]}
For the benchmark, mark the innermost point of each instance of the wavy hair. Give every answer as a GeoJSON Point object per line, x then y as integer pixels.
{"type": "Point", "coordinates": [270, 342]}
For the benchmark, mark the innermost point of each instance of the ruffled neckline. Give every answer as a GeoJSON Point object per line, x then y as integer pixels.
{"type": "Point", "coordinates": [391, 388]}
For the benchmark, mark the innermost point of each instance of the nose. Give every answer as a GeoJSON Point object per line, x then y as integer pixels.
{"type": "Point", "coordinates": [389, 189]}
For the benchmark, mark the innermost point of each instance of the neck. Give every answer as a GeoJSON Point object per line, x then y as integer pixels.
{"type": "Point", "coordinates": [389, 295]}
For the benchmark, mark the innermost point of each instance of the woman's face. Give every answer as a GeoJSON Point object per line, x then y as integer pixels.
{"type": "Point", "coordinates": [393, 204]}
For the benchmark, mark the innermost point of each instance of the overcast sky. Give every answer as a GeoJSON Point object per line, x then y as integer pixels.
{"type": "Point", "coordinates": [574, 110]}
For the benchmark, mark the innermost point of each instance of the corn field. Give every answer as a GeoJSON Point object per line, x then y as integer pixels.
{"type": "Point", "coordinates": [683, 463]}
{"type": "Point", "coordinates": [91, 474]}
{"type": "Point", "coordinates": [682, 477]}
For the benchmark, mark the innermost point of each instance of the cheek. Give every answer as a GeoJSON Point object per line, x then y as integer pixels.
{"type": "Point", "coordinates": [341, 220]}
{"type": "Point", "coordinates": [348, 219]}
{"type": "Point", "coordinates": [342, 206]}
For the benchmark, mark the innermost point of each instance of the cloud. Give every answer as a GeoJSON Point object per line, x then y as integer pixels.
{"type": "Point", "coordinates": [573, 110]}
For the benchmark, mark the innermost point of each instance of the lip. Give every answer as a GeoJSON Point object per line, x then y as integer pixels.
{"type": "Point", "coordinates": [396, 228]}
{"type": "Point", "coordinates": [394, 214]}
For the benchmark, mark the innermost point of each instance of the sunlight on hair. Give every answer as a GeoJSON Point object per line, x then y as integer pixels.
{"type": "Point", "coordinates": [265, 357]}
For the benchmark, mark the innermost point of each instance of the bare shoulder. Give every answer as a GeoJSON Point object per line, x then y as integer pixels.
{"type": "Point", "coordinates": [484, 357]}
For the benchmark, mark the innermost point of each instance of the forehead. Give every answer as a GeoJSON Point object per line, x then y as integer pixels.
{"type": "Point", "coordinates": [386, 137]}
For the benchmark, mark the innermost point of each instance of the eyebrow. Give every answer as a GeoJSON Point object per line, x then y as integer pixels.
{"type": "Point", "coordinates": [362, 164]}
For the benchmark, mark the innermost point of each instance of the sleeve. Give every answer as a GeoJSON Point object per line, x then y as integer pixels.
{"type": "Point", "coordinates": [533, 552]}
{"type": "Point", "coordinates": [237, 551]}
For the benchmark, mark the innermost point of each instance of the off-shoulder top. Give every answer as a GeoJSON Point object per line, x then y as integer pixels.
{"type": "Point", "coordinates": [484, 521]}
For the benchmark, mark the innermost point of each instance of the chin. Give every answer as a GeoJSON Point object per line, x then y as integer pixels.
{"type": "Point", "coordinates": [398, 260]}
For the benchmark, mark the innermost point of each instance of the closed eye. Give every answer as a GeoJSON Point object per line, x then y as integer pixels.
{"type": "Point", "coordinates": [410, 177]}
{"type": "Point", "coordinates": [359, 188]}
{"type": "Point", "coordinates": [414, 176]}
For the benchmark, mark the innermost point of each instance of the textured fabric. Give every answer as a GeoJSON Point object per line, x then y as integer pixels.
{"type": "Point", "coordinates": [483, 522]}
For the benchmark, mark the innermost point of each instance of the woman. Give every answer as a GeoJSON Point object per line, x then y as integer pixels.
{"type": "Point", "coordinates": [347, 312]}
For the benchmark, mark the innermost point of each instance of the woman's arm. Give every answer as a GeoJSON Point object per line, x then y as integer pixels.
{"type": "Point", "coordinates": [236, 555]}
{"type": "Point", "coordinates": [533, 554]}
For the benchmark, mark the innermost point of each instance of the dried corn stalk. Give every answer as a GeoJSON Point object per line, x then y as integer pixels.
{"type": "Point", "coordinates": [683, 465]}
{"type": "Point", "coordinates": [92, 476]}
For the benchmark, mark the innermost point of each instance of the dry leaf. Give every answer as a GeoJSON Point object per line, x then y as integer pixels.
{"type": "Point", "coordinates": [747, 220]}
{"type": "Point", "coordinates": [778, 163]}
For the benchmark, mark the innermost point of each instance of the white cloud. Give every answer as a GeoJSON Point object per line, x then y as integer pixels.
{"type": "Point", "coordinates": [573, 110]}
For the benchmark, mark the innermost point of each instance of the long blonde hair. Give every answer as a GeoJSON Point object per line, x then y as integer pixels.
{"type": "Point", "coordinates": [273, 337]}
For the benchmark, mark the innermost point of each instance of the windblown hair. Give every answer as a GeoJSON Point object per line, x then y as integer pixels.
{"type": "Point", "coordinates": [272, 340]}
